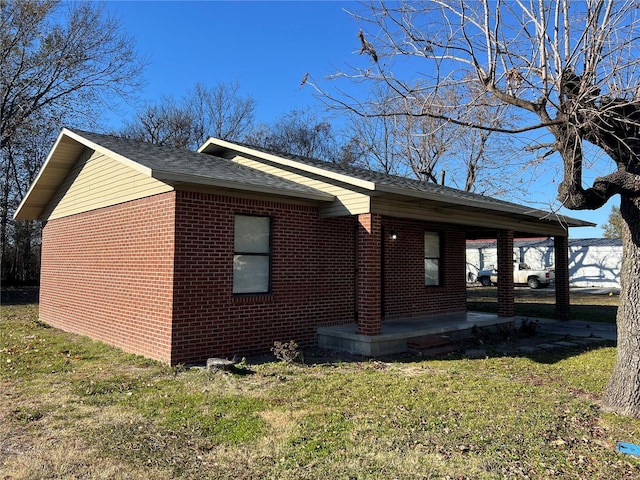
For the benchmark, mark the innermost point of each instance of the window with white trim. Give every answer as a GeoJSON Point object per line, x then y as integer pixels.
{"type": "Point", "coordinates": [431, 258]}
{"type": "Point", "coordinates": [252, 254]}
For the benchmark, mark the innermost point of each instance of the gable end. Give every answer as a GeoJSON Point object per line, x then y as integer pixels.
{"type": "Point", "coordinates": [97, 180]}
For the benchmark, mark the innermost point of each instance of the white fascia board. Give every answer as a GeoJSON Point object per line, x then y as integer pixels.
{"type": "Point", "coordinates": [39, 176]}
{"type": "Point", "coordinates": [207, 142]}
{"type": "Point", "coordinates": [174, 178]}
{"type": "Point", "coordinates": [116, 156]}
{"type": "Point", "coordinates": [367, 185]}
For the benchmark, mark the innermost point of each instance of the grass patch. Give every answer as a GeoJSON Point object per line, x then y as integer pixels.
{"type": "Point", "coordinates": [144, 445]}
{"type": "Point", "coordinates": [319, 435]}
{"type": "Point", "coordinates": [73, 408]}
{"type": "Point", "coordinates": [221, 418]}
{"type": "Point", "coordinates": [25, 414]}
{"type": "Point", "coordinates": [585, 306]}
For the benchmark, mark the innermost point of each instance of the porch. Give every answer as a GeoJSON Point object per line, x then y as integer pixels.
{"type": "Point", "coordinates": [395, 334]}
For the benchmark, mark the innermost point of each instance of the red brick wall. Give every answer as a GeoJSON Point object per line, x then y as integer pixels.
{"type": "Point", "coordinates": [369, 274]}
{"type": "Point", "coordinates": [312, 282]}
{"type": "Point", "coordinates": [563, 302]}
{"type": "Point", "coordinates": [405, 291]}
{"type": "Point", "coordinates": [506, 295]}
{"type": "Point", "coordinates": [108, 274]}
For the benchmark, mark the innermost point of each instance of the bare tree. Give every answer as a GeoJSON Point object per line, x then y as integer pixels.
{"type": "Point", "coordinates": [424, 142]}
{"type": "Point", "coordinates": [76, 64]}
{"type": "Point", "coordinates": [164, 123]}
{"type": "Point", "coordinates": [570, 68]}
{"type": "Point", "coordinates": [432, 148]}
{"type": "Point", "coordinates": [488, 160]}
{"type": "Point", "coordinates": [21, 239]}
{"type": "Point", "coordinates": [219, 111]}
{"type": "Point", "coordinates": [59, 63]}
{"type": "Point", "coordinates": [376, 136]}
{"type": "Point", "coordinates": [301, 132]}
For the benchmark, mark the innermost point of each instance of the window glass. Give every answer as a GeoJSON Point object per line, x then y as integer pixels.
{"type": "Point", "coordinates": [252, 254]}
{"type": "Point", "coordinates": [252, 234]}
{"type": "Point", "coordinates": [250, 274]}
{"type": "Point", "coordinates": [431, 245]}
{"type": "Point", "coordinates": [431, 258]}
{"type": "Point", "coordinates": [431, 271]}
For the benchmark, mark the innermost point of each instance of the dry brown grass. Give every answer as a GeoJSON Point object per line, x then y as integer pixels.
{"type": "Point", "coordinates": [72, 408]}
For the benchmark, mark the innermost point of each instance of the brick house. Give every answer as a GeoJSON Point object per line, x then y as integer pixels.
{"type": "Point", "coordinates": [180, 255]}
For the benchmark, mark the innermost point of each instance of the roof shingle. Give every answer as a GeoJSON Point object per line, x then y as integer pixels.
{"type": "Point", "coordinates": [173, 160]}
{"type": "Point", "coordinates": [408, 186]}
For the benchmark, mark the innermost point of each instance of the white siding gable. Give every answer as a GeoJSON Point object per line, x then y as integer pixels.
{"type": "Point", "coordinates": [98, 181]}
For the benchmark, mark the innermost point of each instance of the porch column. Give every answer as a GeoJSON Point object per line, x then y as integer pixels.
{"type": "Point", "coordinates": [369, 274]}
{"type": "Point", "coordinates": [561, 252]}
{"type": "Point", "coordinates": [506, 301]}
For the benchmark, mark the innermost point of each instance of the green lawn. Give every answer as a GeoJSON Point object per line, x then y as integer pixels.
{"type": "Point", "coordinates": [587, 306]}
{"type": "Point", "coordinates": [74, 408]}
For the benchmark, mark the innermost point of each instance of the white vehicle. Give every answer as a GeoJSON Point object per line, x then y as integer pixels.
{"type": "Point", "coordinates": [522, 275]}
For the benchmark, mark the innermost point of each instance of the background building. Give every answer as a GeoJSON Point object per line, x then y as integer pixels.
{"type": "Point", "coordinates": [593, 262]}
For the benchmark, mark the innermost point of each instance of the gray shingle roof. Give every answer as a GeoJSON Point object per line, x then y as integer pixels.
{"type": "Point", "coordinates": [176, 166]}
{"type": "Point", "coordinates": [404, 185]}
{"type": "Point", "coordinates": [178, 161]}
{"type": "Point", "coordinates": [167, 162]}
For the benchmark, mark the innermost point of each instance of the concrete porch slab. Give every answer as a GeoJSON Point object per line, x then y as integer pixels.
{"type": "Point", "coordinates": [395, 333]}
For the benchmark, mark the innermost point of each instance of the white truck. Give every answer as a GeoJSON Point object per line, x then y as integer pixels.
{"type": "Point", "coordinates": [522, 275]}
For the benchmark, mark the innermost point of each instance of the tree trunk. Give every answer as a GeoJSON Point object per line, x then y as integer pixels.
{"type": "Point", "coordinates": [622, 394]}
{"type": "Point", "coordinates": [4, 209]}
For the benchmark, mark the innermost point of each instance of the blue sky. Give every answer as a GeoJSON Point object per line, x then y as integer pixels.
{"type": "Point", "coordinates": [267, 47]}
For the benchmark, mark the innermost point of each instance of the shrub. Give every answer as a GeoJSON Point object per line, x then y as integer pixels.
{"type": "Point", "coordinates": [528, 327]}
{"type": "Point", "coordinates": [288, 352]}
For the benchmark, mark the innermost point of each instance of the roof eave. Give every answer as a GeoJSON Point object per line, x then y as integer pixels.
{"type": "Point", "coordinates": [176, 179]}
{"type": "Point", "coordinates": [23, 211]}
{"type": "Point", "coordinates": [216, 145]}
{"type": "Point", "coordinates": [533, 213]}
{"type": "Point", "coordinates": [27, 210]}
